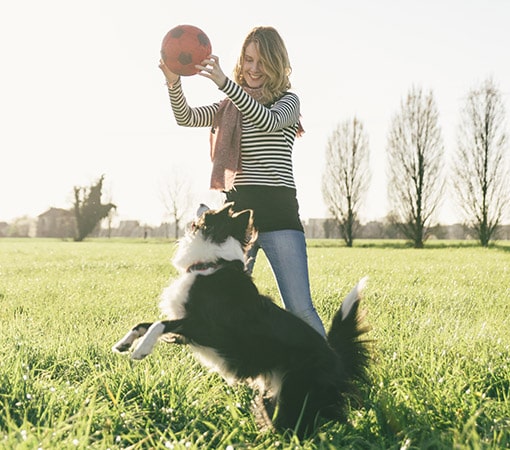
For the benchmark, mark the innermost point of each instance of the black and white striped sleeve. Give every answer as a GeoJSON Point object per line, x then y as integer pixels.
{"type": "Point", "coordinates": [284, 113]}
{"type": "Point", "coordinates": [187, 116]}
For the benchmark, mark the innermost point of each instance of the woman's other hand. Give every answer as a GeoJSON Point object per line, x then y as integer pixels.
{"type": "Point", "coordinates": [210, 68]}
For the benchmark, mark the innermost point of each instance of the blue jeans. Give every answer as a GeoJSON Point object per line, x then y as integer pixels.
{"type": "Point", "coordinates": [286, 253]}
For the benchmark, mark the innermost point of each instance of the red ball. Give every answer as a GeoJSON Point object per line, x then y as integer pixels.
{"type": "Point", "coordinates": [183, 47]}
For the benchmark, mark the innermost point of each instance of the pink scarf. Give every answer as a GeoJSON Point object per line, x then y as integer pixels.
{"type": "Point", "coordinates": [225, 142]}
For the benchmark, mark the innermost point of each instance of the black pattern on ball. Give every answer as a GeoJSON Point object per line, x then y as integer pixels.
{"type": "Point", "coordinates": [203, 39]}
{"type": "Point", "coordinates": [185, 58]}
{"type": "Point", "coordinates": [176, 33]}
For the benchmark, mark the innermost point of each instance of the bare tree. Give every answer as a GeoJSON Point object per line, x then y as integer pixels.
{"type": "Point", "coordinates": [176, 197]}
{"type": "Point", "coordinates": [415, 157]}
{"type": "Point", "coordinates": [481, 174]}
{"type": "Point", "coordinates": [88, 209]}
{"type": "Point", "coordinates": [347, 175]}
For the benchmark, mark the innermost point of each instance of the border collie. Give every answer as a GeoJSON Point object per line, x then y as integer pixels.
{"type": "Point", "coordinates": [215, 307]}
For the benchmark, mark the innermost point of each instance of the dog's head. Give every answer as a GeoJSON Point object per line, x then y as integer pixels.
{"type": "Point", "coordinates": [216, 235]}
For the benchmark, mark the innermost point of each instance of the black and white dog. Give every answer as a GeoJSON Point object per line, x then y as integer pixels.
{"type": "Point", "coordinates": [215, 307]}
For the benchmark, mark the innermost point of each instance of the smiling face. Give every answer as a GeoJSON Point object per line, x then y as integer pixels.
{"type": "Point", "coordinates": [264, 63]}
{"type": "Point", "coordinates": [253, 68]}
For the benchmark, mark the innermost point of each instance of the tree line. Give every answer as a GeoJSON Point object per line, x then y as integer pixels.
{"type": "Point", "coordinates": [418, 176]}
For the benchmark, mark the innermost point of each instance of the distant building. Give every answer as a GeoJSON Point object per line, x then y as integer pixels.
{"type": "Point", "coordinates": [322, 229]}
{"type": "Point", "coordinates": [504, 232]}
{"type": "Point", "coordinates": [56, 223]}
{"type": "Point", "coordinates": [129, 228]}
{"type": "Point", "coordinates": [61, 223]}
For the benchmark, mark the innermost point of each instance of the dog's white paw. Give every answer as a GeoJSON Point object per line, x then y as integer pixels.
{"type": "Point", "coordinates": [121, 347]}
{"type": "Point", "coordinates": [125, 343]}
{"type": "Point", "coordinates": [138, 355]}
{"type": "Point", "coordinates": [148, 342]}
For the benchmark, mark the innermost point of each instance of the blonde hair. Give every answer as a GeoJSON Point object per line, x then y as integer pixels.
{"type": "Point", "coordinates": [275, 60]}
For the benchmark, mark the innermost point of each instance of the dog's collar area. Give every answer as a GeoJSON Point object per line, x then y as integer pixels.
{"type": "Point", "coordinates": [203, 266]}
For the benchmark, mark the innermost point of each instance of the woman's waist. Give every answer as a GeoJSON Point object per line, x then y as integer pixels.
{"type": "Point", "coordinates": [274, 207]}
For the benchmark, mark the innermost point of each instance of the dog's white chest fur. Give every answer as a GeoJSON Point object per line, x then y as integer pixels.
{"type": "Point", "coordinates": [194, 248]}
{"type": "Point", "coordinates": [175, 296]}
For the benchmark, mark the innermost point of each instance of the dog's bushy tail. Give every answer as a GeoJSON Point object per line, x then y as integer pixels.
{"type": "Point", "coordinates": [346, 336]}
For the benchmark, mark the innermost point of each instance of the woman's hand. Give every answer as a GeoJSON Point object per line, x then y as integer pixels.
{"type": "Point", "coordinates": [210, 68]}
{"type": "Point", "coordinates": [171, 78]}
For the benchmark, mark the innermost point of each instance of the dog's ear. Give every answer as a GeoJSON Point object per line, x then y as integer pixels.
{"type": "Point", "coordinates": [225, 211]}
{"type": "Point", "coordinates": [243, 219]}
{"type": "Point", "coordinates": [229, 208]}
{"type": "Point", "coordinates": [243, 226]}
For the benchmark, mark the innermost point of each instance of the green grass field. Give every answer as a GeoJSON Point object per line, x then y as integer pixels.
{"type": "Point", "coordinates": [440, 377]}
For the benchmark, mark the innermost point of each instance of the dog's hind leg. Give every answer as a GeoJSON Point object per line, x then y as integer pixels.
{"type": "Point", "coordinates": [262, 405]}
{"type": "Point", "coordinates": [127, 341]}
{"type": "Point", "coordinates": [156, 330]}
{"type": "Point", "coordinates": [263, 410]}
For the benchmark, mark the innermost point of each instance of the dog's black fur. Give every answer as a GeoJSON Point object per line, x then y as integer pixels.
{"type": "Point", "coordinates": [216, 308]}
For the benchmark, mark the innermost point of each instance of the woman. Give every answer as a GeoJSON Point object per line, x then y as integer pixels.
{"type": "Point", "coordinates": [252, 137]}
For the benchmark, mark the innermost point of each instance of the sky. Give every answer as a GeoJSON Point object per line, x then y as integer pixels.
{"type": "Point", "coordinates": [81, 93]}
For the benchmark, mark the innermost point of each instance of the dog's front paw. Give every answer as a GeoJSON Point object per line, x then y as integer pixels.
{"type": "Point", "coordinates": [138, 355]}
{"type": "Point", "coordinates": [121, 347]}
{"type": "Point", "coordinates": [141, 351]}
{"type": "Point", "coordinates": [148, 342]}
{"type": "Point", "coordinates": [126, 342]}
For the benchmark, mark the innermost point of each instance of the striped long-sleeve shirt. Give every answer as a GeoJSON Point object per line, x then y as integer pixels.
{"type": "Point", "coordinates": [268, 133]}
{"type": "Point", "coordinates": [266, 182]}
